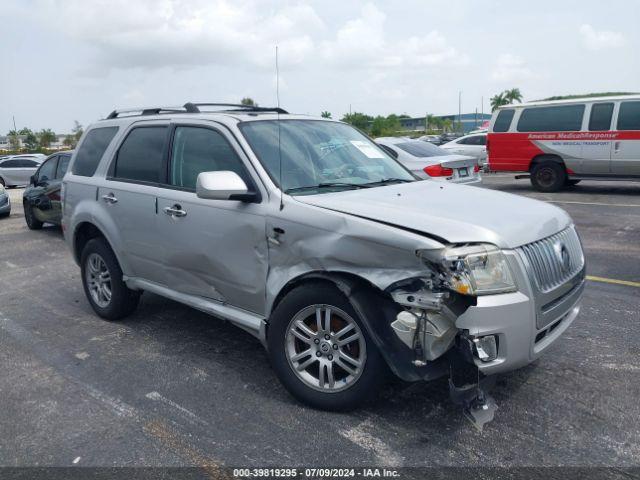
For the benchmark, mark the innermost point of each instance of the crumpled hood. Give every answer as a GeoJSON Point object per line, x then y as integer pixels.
{"type": "Point", "coordinates": [455, 213]}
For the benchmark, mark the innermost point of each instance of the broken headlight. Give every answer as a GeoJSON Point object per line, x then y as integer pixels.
{"type": "Point", "coordinates": [480, 269]}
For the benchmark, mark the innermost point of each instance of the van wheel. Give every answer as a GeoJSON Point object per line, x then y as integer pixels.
{"type": "Point", "coordinates": [29, 217]}
{"type": "Point", "coordinates": [321, 351]}
{"type": "Point", "coordinates": [102, 281]}
{"type": "Point", "coordinates": [548, 177]}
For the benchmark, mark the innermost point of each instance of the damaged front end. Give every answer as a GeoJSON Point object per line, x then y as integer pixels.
{"type": "Point", "coordinates": [430, 307]}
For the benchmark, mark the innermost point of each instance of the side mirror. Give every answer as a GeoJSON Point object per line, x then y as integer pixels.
{"type": "Point", "coordinates": [223, 185]}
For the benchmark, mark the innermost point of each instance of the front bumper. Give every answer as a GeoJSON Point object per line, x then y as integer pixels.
{"type": "Point", "coordinates": [513, 319]}
{"type": "Point", "coordinates": [5, 204]}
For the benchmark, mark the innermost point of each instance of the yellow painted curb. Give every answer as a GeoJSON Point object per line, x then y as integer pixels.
{"type": "Point", "coordinates": [614, 281]}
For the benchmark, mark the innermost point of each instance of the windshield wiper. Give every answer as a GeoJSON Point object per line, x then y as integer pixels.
{"type": "Point", "coordinates": [387, 181]}
{"type": "Point", "coordinates": [322, 186]}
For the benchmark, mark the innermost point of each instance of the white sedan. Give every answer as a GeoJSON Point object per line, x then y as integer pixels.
{"type": "Point", "coordinates": [430, 162]}
{"type": "Point", "coordinates": [472, 145]}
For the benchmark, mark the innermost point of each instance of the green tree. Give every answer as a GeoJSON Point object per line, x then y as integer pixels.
{"type": "Point", "coordinates": [77, 131]}
{"type": "Point", "coordinates": [513, 95]}
{"type": "Point", "coordinates": [46, 137]}
{"type": "Point", "coordinates": [31, 141]}
{"type": "Point", "coordinates": [69, 141]}
{"type": "Point", "coordinates": [498, 100]}
{"type": "Point", "coordinates": [248, 101]}
{"type": "Point", "coordinates": [14, 140]}
{"type": "Point", "coordinates": [325, 114]}
{"type": "Point", "coordinates": [24, 131]}
{"type": "Point", "coordinates": [358, 120]}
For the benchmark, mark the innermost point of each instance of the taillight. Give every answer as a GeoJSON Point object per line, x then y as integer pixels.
{"type": "Point", "coordinates": [438, 171]}
{"type": "Point", "coordinates": [476, 168]}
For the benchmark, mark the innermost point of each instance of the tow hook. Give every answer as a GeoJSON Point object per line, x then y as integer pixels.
{"type": "Point", "coordinates": [468, 387]}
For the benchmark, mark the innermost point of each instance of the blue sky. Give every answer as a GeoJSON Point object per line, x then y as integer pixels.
{"type": "Point", "coordinates": [68, 60]}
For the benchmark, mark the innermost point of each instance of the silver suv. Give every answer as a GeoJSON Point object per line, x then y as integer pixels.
{"type": "Point", "coordinates": [305, 233]}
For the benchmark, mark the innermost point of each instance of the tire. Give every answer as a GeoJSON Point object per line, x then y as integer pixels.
{"type": "Point", "coordinates": [572, 183]}
{"type": "Point", "coordinates": [548, 176]}
{"type": "Point", "coordinates": [2, 182]}
{"type": "Point", "coordinates": [102, 281]}
{"type": "Point", "coordinates": [32, 222]}
{"type": "Point", "coordinates": [349, 389]}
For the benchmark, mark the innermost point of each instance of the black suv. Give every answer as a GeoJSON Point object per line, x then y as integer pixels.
{"type": "Point", "coordinates": [41, 198]}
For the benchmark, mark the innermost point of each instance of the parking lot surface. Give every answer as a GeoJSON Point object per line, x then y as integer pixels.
{"type": "Point", "coordinates": [171, 386]}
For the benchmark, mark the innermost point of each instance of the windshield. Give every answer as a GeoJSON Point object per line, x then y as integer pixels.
{"type": "Point", "coordinates": [326, 155]}
{"type": "Point", "coordinates": [422, 149]}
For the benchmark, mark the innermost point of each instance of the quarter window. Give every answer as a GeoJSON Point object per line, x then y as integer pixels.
{"type": "Point", "coordinates": [91, 150]}
{"type": "Point", "coordinates": [503, 121]}
{"type": "Point", "coordinates": [196, 150]}
{"type": "Point", "coordinates": [63, 165]}
{"type": "Point", "coordinates": [141, 155]}
{"type": "Point", "coordinates": [564, 118]}
{"type": "Point", "coordinates": [600, 117]}
{"type": "Point", "coordinates": [629, 116]}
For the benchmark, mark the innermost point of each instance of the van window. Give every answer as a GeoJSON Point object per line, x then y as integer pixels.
{"type": "Point", "coordinates": [563, 118]}
{"type": "Point", "coordinates": [629, 116]}
{"type": "Point", "coordinates": [503, 120]}
{"type": "Point", "coordinates": [91, 151]}
{"type": "Point", "coordinates": [600, 117]}
{"type": "Point", "coordinates": [141, 155]}
{"type": "Point", "coordinates": [196, 150]}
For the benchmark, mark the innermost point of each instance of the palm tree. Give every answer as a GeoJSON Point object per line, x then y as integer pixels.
{"type": "Point", "coordinates": [325, 114]}
{"type": "Point", "coordinates": [513, 95]}
{"type": "Point", "coordinates": [498, 100]}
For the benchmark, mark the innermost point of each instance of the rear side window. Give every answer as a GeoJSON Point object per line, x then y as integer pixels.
{"type": "Point", "coordinates": [564, 118]}
{"type": "Point", "coordinates": [91, 151]}
{"type": "Point", "coordinates": [600, 117]}
{"type": "Point", "coordinates": [503, 120]}
{"type": "Point", "coordinates": [141, 155]}
{"type": "Point", "coordinates": [196, 150]}
{"type": "Point", "coordinates": [63, 165]}
{"type": "Point", "coordinates": [475, 140]}
{"type": "Point", "coordinates": [629, 116]}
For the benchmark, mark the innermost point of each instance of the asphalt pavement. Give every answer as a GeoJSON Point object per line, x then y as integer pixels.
{"type": "Point", "coordinates": [171, 386]}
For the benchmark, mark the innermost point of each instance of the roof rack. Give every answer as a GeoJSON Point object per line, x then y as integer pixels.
{"type": "Point", "coordinates": [191, 107]}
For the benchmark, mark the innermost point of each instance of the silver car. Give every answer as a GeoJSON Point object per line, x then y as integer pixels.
{"type": "Point", "coordinates": [430, 162]}
{"type": "Point", "coordinates": [16, 170]}
{"type": "Point", "coordinates": [305, 233]}
{"type": "Point", "coordinates": [5, 202]}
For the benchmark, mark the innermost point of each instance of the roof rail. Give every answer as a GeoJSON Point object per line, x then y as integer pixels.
{"type": "Point", "coordinates": [190, 107]}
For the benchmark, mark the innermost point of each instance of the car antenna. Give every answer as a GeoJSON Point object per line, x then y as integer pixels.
{"type": "Point", "coordinates": [278, 121]}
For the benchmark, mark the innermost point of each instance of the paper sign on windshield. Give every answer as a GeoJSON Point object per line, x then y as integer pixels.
{"type": "Point", "coordinates": [369, 150]}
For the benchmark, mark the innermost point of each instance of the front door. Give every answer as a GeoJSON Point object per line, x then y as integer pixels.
{"type": "Point", "coordinates": [212, 248]}
{"type": "Point", "coordinates": [625, 156]}
{"type": "Point", "coordinates": [43, 198]}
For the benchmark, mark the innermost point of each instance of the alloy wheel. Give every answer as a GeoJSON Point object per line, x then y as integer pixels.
{"type": "Point", "coordinates": [98, 280]}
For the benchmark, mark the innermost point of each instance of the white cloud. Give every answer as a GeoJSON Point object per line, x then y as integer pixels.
{"type": "Point", "coordinates": [600, 39]}
{"type": "Point", "coordinates": [159, 33]}
{"type": "Point", "coordinates": [511, 68]}
{"type": "Point", "coordinates": [361, 42]}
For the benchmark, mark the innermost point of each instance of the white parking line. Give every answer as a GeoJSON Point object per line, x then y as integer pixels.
{"type": "Point", "coordinates": [589, 203]}
{"type": "Point", "coordinates": [359, 436]}
{"type": "Point", "coordinates": [155, 396]}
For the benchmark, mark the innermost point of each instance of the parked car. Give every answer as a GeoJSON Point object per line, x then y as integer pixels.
{"type": "Point", "coordinates": [41, 199]}
{"type": "Point", "coordinates": [430, 162]}
{"type": "Point", "coordinates": [305, 233]}
{"type": "Point", "coordinates": [470, 145]}
{"type": "Point", "coordinates": [433, 139]}
{"type": "Point", "coordinates": [17, 169]}
{"type": "Point", "coordinates": [5, 203]}
{"type": "Point", "coordinates": [560, 143]}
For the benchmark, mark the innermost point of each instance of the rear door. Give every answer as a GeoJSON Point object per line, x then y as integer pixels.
{"type": "Point", "coordinates": [215, 249]}
{"type": "Point", "coordinates": [129, 196]}
{"type": "Point", "coordinates": [596, 151]}
{"type": "Point", "coordinates": [625, 156]}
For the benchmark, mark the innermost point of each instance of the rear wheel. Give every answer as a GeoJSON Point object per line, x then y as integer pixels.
{"type": "Point", "coordinates": [102, 281]}
{"type": "Point", "coordinates": [321, 351]}
{"type": "Point", "coordinates": [548, 176]}
{"type": "Point", "coordinates": [32, 222]}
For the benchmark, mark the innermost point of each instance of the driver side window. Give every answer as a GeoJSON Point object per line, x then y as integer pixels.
{"type": "Point", "coordinates": [48, 170]}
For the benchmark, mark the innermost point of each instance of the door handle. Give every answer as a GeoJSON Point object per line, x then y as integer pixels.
{"type": "Point", "coordinates": [175, 211]}
{"type": "Point", "coordinates": [111, 199]}
{"type": "Point", "coordinates": [616, 147]}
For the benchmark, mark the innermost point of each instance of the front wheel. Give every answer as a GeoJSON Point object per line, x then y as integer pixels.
{"type": "Point", "coordinates": [548, 177]}
{"type": "Point", "coordinates": [321, 351]}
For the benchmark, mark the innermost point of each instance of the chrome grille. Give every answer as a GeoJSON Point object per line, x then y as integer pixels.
{"type": "Point", "coordinates": [548, 260]}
